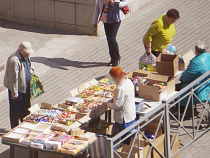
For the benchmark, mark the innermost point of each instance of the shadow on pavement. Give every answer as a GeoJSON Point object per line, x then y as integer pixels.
{"type": "Point", "coordinates": [31, 28]}
{"type": "Point", "coordinates": [5, 154]}
{"type": "Point", "coordinates": [62, 63]}
{"type": "Point", "coordinates": [3, 131]}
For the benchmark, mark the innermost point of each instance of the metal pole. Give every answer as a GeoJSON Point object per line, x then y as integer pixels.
{"type": "Point", "coordinates": [12, 151]}
{"type": "Point", "coordinates": [109, 147]}
{"type": "Point", "coordinates": [193, 125]}
{"type": "Point", "coordinates": [167, 130]}
{"type": "Point", "coordinates": [85, 154]}
{"type": "Point", "coordinates": [36, 154]}
{"type": "Point", "coordinates": [30, 153]}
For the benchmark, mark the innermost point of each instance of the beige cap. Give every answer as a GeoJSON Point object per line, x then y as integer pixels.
{"type": "Point", "coordinates": [26, 46]}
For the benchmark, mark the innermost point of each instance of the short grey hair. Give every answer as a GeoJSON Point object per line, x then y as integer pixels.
{"type": "Point", "coordinates": [201, 46]}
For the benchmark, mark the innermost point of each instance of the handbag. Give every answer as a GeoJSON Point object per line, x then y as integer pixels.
{"type": "Point", "coordinates": [113, 13]}
{"type": "Point", "coordinates": [126, 10]}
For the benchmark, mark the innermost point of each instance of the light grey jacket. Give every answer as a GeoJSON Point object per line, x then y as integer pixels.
{"type": "Point", "coordinates": [124, 102]}
{"type": "Point", "coordinates": [14, 78]}
{"type": "Point", "coordinates": [99, 8]}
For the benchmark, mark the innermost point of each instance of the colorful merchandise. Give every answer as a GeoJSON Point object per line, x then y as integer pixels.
{"type": "Point", "coordinates": [36, 86]}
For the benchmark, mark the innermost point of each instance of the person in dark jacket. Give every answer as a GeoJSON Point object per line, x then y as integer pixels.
{"type": "Point", "coordinates": [198, 66]}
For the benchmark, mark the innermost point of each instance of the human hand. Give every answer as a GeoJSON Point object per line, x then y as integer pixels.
{"type": "Point", "coordinates": [105, 104]}
{"type": "Point", "coordinates": [14, 97]}
{"type": "Point", "coordinates": [95, 27]}
{"type": "Point", "coordinates": [149, 52]}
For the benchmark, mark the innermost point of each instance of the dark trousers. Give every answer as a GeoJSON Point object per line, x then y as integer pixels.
{"type": "Point", "coordinates": [19, 107]}
{"type": "Point", "coordinates": [120, 127]}
{"type": "Point", "coordinates": [111, 34]}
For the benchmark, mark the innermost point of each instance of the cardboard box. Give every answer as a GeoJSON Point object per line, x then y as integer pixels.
{"type": "Point", "coordinates": [35, 108]}
{"type": "Point", "coordinates": [81, 119]}
{"type": "Point", "coordinates": [110, 127]}
{"type": "Point", "coordinates": [186, 60]}
{"type": "Point", "coordinates": [140, 73]}
{"type": "Point", "coordinates": [144, 145]}
{"type": "Point", "coordinates": [167, 64]}
{"type": "Point", "coordinates": [151, 129]}
{"type": "Point", "coordinates": [148, 91]}
{"type": "Point", "coordinates": [176, 146]}
{"type": "Point", "coordinates": [159, 143]}
{"type": "Point", "coordinates": [74, 92]}
{"type": "Point", "coordinates": [125, 149]}
{"type": "Point", "coordinates": [106, 128]}
{"type": "Point", "coordinates": [13, 137]}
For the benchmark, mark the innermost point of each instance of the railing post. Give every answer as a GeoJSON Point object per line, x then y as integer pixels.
{"type": "Point", "coordinates": [109, 148]}
{"type": "Point", "coordinates": [167, 130]}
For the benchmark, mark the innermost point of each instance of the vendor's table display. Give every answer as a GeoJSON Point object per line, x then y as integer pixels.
{"type": "Point", "coordinates": [51, 137]}
{"type": "Point", "coordinates": [57, 128]}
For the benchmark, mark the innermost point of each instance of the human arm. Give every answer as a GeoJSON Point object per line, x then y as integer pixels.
{"type": "Point", "coordinates": [14, 78]}
{"type": "Point", "coordinates": [124, 3]}
{"type": "Point", "coordinates": [96, 14]}
{"type": "Point", "coordinates": [118, 101]}
{"type": "Point", "coordinates": [149, 47]}
{"type": "Point", "coordinates": [191, 72]}
{"type": "Point", "coordinates": [154, 29]}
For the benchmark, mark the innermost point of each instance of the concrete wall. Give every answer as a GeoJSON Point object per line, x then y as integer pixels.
{"type": "Point", "coordinates": [68, 15]}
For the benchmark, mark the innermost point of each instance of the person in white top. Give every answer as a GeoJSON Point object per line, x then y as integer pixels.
{"type": "Point", "coordinates": [111, 28]}
{"type": "Point", "coordinates": [124, 100]}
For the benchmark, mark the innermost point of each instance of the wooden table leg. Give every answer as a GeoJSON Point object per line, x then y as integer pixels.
{"type": "Point", "coordinates": [106, 116]}
{"type": "Point", "coordinates": [12, 151]}
{"type": "Point", "coordinates": [110, 116]}
{"type": "Point", "coordinates": [85, 154]}
{"type": "Point", "coordinates": [30, 154]}
{"type": "Point", "coordinates": [36, 154]}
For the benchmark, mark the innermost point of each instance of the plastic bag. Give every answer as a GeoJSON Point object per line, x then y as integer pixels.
{"type": "Point", "coordinates": [36, 86]}
{"type": "Point", "coordinates": [170, 49]}
{"type": "Point", "coordinates": [148, 62]}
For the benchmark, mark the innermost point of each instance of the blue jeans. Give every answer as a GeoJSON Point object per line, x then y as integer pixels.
{"type": "Point", "coordinates": [123, 126]}
{"type": "Point", "coordinates": [18, 107]}
{"type": "Point", "coordinates": [111, 34]}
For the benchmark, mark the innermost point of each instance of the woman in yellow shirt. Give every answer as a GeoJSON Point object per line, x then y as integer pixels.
{"type": "Point", "coordinates": [161, 32]}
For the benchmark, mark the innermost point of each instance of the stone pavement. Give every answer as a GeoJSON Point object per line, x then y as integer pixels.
{"type": "Point", "coordinates": [65, 61]}
{"type": "Point", "coordinates": [199, 149]}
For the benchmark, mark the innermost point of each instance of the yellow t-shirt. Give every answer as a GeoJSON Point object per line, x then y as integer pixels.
{"type": "Point", "coordinates": [160, 33]}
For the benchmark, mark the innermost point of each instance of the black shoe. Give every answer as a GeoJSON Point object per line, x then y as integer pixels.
{"type": "Point", "coordinates": [110, 63]}
{"type": "Point", "coordinates": [116, 63]}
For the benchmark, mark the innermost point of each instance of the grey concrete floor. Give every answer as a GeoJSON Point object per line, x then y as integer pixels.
{"type": "Point", "coordinates": [64, 61]}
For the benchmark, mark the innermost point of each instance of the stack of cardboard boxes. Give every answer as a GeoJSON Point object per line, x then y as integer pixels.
{"type": "Point", "coordinates": [167, 70]}
{"type": "Point", "coordinates": [145, 146]}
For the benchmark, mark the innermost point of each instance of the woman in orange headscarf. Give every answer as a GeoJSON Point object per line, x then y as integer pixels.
{"type": "Point", "coordinates": [123, 103]}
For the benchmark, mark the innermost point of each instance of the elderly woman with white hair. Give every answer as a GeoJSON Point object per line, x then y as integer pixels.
{"type": "Point", "coordinates": [198, 66]}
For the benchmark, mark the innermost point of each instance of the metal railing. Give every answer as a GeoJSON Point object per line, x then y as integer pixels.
{"type": "Point", "coordinates": [174, 123]}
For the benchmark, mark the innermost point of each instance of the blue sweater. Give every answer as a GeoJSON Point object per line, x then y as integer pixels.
{"type": "Point", "coordinates": [198, 66]}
